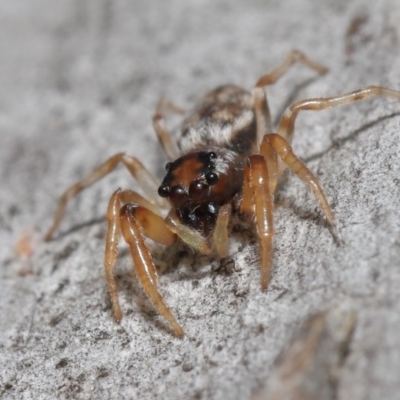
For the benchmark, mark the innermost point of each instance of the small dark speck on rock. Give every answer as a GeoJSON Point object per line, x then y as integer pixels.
{"type": "Point", "coordinates": [241, 292]}
{"type": "Point", "coordinates": [198, 395]}
{"type": "Point", "coordinates": [103, 335]}
{"type": "Point", "coordinates": [62, 363]}
{"type": "Point", "coordinates": [107, 101]}
{"type": "Point", "coordinates": [14, 210]}
{"type": "Point", "coordinates": [61, 285]}
{"type": "Point", "coordinates": [375, 275]}
{"type": "Point", "coordinates": [100, 234]}
{"type": "Point", "coordinates": [102, 373]}
{"type": "Point", "coordinates": [61, 345]}
{"type": "Point", "coordinates": [74, 388]}
{"type": "Point", "coordinates": [187, 367]}
{"type": "Point", "coordinates": [56, 319]}
{"type": "Point", "coordinates": [195, 284]}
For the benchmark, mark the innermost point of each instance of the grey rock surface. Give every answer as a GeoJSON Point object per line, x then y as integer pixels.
{"type": "Point", "coordinates": [79, 82]}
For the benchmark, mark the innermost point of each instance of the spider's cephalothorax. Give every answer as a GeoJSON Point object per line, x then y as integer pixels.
{"type": "Point", "coordinates": [226, 162]}
{"type": "Point", "coordinates": [198, 183]}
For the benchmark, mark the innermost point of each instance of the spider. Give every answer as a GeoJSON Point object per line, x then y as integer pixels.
{"type": "Point", "coordinates": [226, 163]}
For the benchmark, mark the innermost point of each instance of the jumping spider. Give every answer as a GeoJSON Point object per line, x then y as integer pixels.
{"type": "Point", "coordinates": [226, 163]}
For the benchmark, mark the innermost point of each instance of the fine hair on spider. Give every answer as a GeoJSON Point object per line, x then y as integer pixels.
{"type": "Point", "coordinates": [227, 162]}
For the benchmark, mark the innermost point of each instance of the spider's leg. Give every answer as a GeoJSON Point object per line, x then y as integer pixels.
{"type": "Point", "coordinates": [262, 112]}
{"type": "Point", "coordinates": [293, 57]}
{"type": "Point", "coordinates": [220, 234]}
{"type": "Point", "coordinates": [113, 233]}
{"type": "Point", "coordinates": [164, 136]}
{"type": "Point", "coordinates": [263, 116]}
{"type": "Point", "coordinates": [111, 252]}
{"type": "Point", "coordinates": [258, 202]}
{"type": "Point", "coordinates": [274, 165]}
{"type": "Point", "coordinates": [284, 150]}
{"type": "Point", "coordinates": [134, 221]}
{"type": "Point", "coordinates": [145, 179]}
{"type": "Point", "coordinates": [165, 107]}
{"type": "Point", "coordinates": [286, 126]}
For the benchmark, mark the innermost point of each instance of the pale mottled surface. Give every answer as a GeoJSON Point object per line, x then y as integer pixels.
{"type": "Point", "coordinates": [79, 81]}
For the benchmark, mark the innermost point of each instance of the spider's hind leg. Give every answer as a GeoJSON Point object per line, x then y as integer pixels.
{"type": "Point", "coordinates": [261, 108]}
{"type": "Point", "coordinates": [165, 107]}
{"type": "Point", "coordinates": [286, 126]}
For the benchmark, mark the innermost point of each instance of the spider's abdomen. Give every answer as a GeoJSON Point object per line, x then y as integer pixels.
{"type": "Point", "coordinates": [224, 118]}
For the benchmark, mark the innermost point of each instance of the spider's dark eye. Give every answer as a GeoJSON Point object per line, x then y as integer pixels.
{"type": "Point", "coordinates": [163, 191]}
{"type": "Point", "coordinates": [178, 196]}
{"type": "Point", "coordinates": [212, 155]}
{"type": "Point", "coordinates": [197, 190]}
{"type": "Point", "coordinates": [212, 178]}
{"type": "Point", "coordinates": [168, 166]}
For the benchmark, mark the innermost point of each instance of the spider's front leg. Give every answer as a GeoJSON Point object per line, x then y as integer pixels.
{"type": "Point", "coordinates": [260, 178]}
{"type": "Point", "coordinates": [133, 221]}
{"type": "Point", "coordinates": [144, 178]}
{"type": "Point", "coordinates": [258, 202]}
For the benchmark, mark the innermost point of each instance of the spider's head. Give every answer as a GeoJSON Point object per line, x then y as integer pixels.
{"type": "Point", "coordinates": [200, 177]}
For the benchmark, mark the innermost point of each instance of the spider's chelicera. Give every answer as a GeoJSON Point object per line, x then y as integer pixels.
{"type": "Point", "coordinates": [226, 162]}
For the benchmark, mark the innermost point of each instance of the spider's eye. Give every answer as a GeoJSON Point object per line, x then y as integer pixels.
{"type": "Point", "coordinates": [178, 196]}
{"type": "Point", "coordinates": [168, 166]}
{"type": "Point", "coordinates": [212, 178]}
{"type": "Point", "coordinates": [212, 155]}
{"type": "Point", "coordinates": [197, 190]}
{"type": "Point", "coordinates": [163, 191]}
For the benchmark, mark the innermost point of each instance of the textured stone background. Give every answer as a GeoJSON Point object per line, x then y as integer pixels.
{"type": "Point", "coordinates": [79, 81]}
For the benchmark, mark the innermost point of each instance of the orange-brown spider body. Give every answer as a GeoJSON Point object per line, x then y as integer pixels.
{"type": "Point", "coordinates": [216, 138]}
{"type": "Point", "coordinates": [227, 162]}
